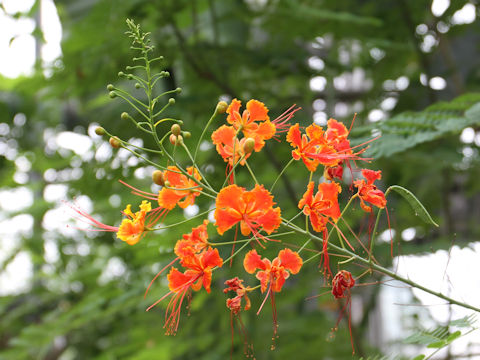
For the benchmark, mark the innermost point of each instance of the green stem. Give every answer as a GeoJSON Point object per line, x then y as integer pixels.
{"type": "Point", "coordinates": [383, 270]}
{"type": "Point", "coordinates": [183, 221]}
{"type": "Point", "coordinates": [281, 173]}
{"type": "Point", "coordinates": [203, 134]}
{"type": "Point", "coordinates": [251, 172]}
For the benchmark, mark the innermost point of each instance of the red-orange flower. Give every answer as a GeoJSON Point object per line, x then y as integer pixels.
{"type": "Point", "coordinates": [368, 192]}
{"type": "Point", "coordinates": [321, 206]}
{"type": "Point", "coordinates": [193, 242]}
{"type": "Point", "coordinates": [306, 144]}
{"type": "Point", "coordinates": [225, 141]}
{"type": "Point", "coordinates": [254, 122]}
{"type": "Point", "coordinates": [168, 198]}
{"type": "Point", "coordinates": [272, 274]}
{"type": "Point", "coordinates": [342, 283]}
{"type": "Point", "coordinates": [275, 272]}
{"type": "Point", "coordinates": [253, 209]}
{"type": "Point", "coordinates": [198, 275]}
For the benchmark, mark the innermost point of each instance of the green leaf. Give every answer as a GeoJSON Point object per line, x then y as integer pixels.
{"type": "Point", "coordinates": [419, 357]}
{"type": "Point", "coordinates": [454, 336]}
{"type": "Point", "coordinates": [414, 203]}
{"type": "Point", "coordinates": [437, 344]}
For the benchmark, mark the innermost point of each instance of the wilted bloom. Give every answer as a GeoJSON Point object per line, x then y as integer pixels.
{"type": "Point", "coordinates": [368, 192]}
{"type": "Point", "coordinates": [235, 303]}
{"type": "Point", "coordinates": [254, 122]}
{"type": "Point", "coordinates": [198, 275]}
{"type": "Point", "coordinates": [182, 190]}
{"type": "Point", "coordinates": [342, 283]}
{"type": "Point", "coordinates": [276, 272]}
{"type": "Point", "coordinates": [252, 209]}
{"type": "Point", "coordinates": [226, 143]}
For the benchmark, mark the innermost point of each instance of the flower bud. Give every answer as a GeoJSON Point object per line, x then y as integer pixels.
{"type": "Point", "coordinates": [173, 139]}
{"type": "Point", "coordinates": [115, 142]}
{"type": "Point", "coordinates": [221, 108]}
{"type": "Point", "coordinates": [158, 178]}
{"type": "Point", "coordinates": [171, 101]}
{"type": "Point", "coordinates": [124, 116]}
{"type": "Point", "coordinates": [100, 131]}
{"type": "Point", "coordinates": [178, 90]}
{"type": "Point", "coordinates": [176, 129]}
{"type": "Point", "coordinates": [187, 134]}
{"type": "Point", "coordinates": [249, 145]}
{"type": "Point", "coordinates": [179, 139]}
{"type": "Point", "coordinates": [110, 87]}
{"type": "Point", "coordinates": [121, 73]}
{"type": "Point", "coordinates": [112, 94]}
{"type": "Point", "coordinates": [167, 183]}
{"type": "Point", "coordinates": [137, 86]}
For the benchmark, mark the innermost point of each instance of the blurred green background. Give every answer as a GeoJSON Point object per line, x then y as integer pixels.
{"type": "Point", "coordinates": [408, 68]}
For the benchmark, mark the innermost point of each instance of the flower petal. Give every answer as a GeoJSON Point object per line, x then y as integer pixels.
{"type": "Point", "coordinates": [253, 261]}
{"type": "Point", "coordinates": [290, 260]}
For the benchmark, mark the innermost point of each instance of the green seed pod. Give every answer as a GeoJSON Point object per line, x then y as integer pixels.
{"type": "Point", "coordinates": [115, 142]}
{"type": "Point", "coordinates": [176, 129]}
{"type": "Point", "coordinates": [100, 131]}
{"type": "Point", "coordinates": [249, 145]}
{"type": "Point", "coordinates": [112, 94]}
{"type": "Point", "coordinates": [110, 87]}
{"type": "Point", "coordinates": [124, 116]}
{"type": "Point", "coordinates": [221, 108]}
{"type": "Point", "coordinates": [158, 178]}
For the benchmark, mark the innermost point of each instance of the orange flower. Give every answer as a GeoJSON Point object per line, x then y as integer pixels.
{"type": "Point", "coordinates": [198, 275]}
{"type": "Point", "coordinates": [193, 242]}
{"type": "Point", "coordinates": [368, 191]}
{"type": "Point", "coordinates": [132, 229]}
{"type": "Point", "coordinates": [168, 198]}
{"type": "Point", "coordinates": [322, 206]}
{"type": "Point", "coordinates": [306, 144]}
{"type": "Point", "coordinates": [275, 272]}
{"type": "Point", "coordinates": [342, 283]}
{"type": "Point", "coordinates": [225, 141]}
{"type": "Point", "coordinates": [254, 121]}
{"type": "Point", "coordinates": [253, 209]}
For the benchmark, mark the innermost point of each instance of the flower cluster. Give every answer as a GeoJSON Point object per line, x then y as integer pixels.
{"type": "Point", "coordinates": [252, 211]}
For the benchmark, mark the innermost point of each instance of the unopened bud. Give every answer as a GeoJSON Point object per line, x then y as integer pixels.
{"type": "Point", "coordinates": [100, 131]}
{"type": "Point", "coordinates": [173, 139]}
{"type": "Point", "coordinates": [249, 145]}
{"type": "Point", "coordinates": [110, 87]}
{"type": "Point", "coordinates": [112, 94]}
{"type": "Point", "coordinates": [129, 76]}
{"type": "Point", "coordinates": [171, 101]}
{"type": "Point", "coordinates": [158, 178]}
{"type": "Point", "coordinates": [121, 73]}
{"type": "Point", "coordinates": [167, 183]}
{"type": "Point", "coordinates": [178, 90]}
{"type": "Point", "coordinates": [176, 129]}
{"type": "Point", "coordinates": [137, 86]}
{"type": "Point", "coordinates": [124, 116]}
{"type": "Point", "coordinates": [187, 134]}
{"type": "Point", "coordinates": [221, 108]}
{"type": "Point", "coordinates": [115, 142]}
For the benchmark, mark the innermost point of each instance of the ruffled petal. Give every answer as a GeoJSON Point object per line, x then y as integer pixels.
{"type": "Point", "coordinates": [253, 261]}
{"type": "Point", "coordinates": [232, 110]}
{"type": "Point", "coordinates": [290, 260]}
{"type": "Point", "coordinates": [177, 280]}
{"type": "Point", "coordinates": [257, 110]}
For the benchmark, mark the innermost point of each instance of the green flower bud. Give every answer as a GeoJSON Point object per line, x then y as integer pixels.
{"type": "Point", "coordinates": [167, 183]}
{"type": "Point", "coordinates": [137, 86]}
{"type": "Point", "coordinates": [110, 87]}
{"type": "Point", "coordinates": [178, 90]}
{"type": "Point", "coordinates": [112, 94]}
{"type": "Point", "coordinates": [124, 116]}
{"type": "Point", "coordinates": [121, 73]}
{"type": "Point", "coordinates": [187, 134]}
{"type": "Point", "coordinates": [158, 178]}
{"type": "Point", "coordinates": [100, 131]}
{"type": "Point", "coordinates": [221, 108]}
{"type": "Point", "coordinates": [171, 101]}
{"type": "Point", "coordinates": [176, 129]}
{"type": "Point", "coordinates": [249, 145]}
